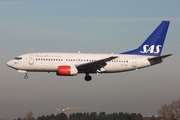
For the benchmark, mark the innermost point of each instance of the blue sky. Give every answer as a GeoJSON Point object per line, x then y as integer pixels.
{"type": "Point", "coordinates": [87, 26]}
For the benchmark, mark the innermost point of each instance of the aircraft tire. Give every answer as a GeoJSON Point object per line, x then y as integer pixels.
{"type": "Point", "coordinates": [88, 78]}
{"type": "Point", "coordinates": [26, 76]}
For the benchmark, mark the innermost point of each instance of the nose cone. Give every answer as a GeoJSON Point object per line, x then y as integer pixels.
{"type": "Point", "coordinates": [9, 63]}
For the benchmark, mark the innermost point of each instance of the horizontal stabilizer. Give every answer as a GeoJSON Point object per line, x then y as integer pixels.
{"type": "Point", "coordinates": [160, 57]}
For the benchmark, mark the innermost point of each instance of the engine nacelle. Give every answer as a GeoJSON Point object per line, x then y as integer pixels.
{"type": "Point", "coordinates": [66, 70]}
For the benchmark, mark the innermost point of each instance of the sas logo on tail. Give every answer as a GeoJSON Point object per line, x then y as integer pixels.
{"type": "Point", "coordinates": [151, 49]}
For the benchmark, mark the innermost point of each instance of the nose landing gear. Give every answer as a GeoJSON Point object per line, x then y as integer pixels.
{"type": "Point", "coordinates": [26, 76]}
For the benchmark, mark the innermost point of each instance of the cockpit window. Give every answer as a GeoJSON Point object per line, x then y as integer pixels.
{"type": "Point", "coordinates": [18, 58]}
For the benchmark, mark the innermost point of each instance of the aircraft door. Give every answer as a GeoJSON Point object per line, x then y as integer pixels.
{"type": "Point", "coordinates": [31, 59]}
{"type": "Point", "coordinates": [134, 62]}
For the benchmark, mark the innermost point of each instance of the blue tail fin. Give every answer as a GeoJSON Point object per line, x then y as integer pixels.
{"type": "Point", "coordinates": [153, 45]}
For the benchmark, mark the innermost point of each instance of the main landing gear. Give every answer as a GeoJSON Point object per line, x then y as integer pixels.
{"type": "Point", "coordinates": [26, 76]}
{"type": "Point", "coordinates": [87, 77]}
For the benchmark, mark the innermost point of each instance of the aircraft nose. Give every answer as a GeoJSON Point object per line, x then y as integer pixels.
{"type": "Point", "coordinates": [9, 63]}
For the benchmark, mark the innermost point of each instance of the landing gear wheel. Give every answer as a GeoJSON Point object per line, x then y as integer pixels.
{"type": "Point", "coordinates": [88, 78]}
{"type": "Point", "coordinates": [26, 76]}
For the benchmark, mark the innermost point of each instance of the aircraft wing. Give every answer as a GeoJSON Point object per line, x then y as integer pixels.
{"type": "Point", "coordinates": [94, 66]}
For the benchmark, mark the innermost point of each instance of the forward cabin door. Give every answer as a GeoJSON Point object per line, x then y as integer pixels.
{"type": "Point", "coordinates": [31, 59]}
{"type": "Point", "coordinates": [134, 62]}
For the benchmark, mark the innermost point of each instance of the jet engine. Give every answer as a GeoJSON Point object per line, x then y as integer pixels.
{"type": "Point", "coordinates": [66, 70]}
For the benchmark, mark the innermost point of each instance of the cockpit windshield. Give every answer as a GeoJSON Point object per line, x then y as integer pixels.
{"type": "Point", "coordinates": [18, 58]}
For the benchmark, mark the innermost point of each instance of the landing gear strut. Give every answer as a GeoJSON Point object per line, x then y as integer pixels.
{"type": "Point", "coordinates": [87, 77]}
{"type": "Point", "coordinates": [26, 76]}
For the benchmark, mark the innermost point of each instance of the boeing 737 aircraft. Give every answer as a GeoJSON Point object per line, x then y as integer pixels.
{"type": "Point", "coordinates": [70, 64]}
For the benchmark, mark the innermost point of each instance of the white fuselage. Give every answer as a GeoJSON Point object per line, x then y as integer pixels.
{"type": "Point", "coordinates": [49, 62]}
{"type": "Point", "coordinates": [69, 64]}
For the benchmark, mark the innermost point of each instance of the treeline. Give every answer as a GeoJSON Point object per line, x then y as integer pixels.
{"type": "Point", "coordinates": [170, 111]}
{"type": "Point", "coordinates": [93, 116]}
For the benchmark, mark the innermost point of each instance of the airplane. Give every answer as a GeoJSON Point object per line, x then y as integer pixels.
{"type": "Point", "coordinates": [71, 64]}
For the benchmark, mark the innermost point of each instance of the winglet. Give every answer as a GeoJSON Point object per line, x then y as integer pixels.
{"type": "Point", "coordinates": [153, 45]}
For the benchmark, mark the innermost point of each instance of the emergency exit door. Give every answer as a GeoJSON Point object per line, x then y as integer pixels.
{"type": "Point", "coordinates": [134, 62]}
{"type": "Point", "coordinates": [31, 59]}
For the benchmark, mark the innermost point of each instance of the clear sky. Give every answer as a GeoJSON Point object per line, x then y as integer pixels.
{"type": "Point", "coordinates": [97, 26]}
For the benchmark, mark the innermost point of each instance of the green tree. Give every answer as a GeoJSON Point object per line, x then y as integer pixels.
{"type": "Point", "coordinates": [93, 116]}
{"type": "Point", "coordinates": [102, 116]}
{"type": "Point", "coordinates": [41, 118]}
{"type": "Point", "coordinates": [61, 116]}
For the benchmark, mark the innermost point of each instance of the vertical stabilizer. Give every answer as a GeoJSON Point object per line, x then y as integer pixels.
{"type": "Point", "coordinates": [153, 45]}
